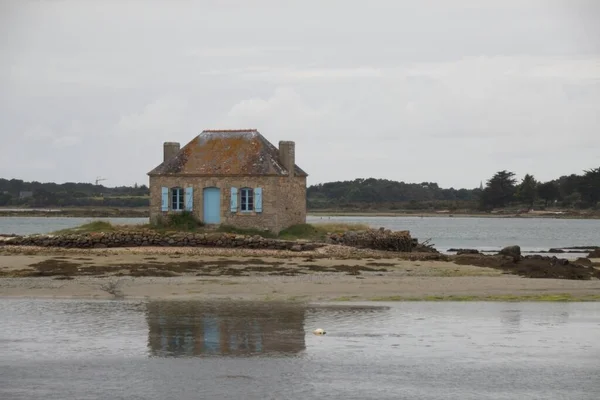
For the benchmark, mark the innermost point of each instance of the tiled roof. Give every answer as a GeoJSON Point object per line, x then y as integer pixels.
{"type": "Point", "coordinates": [226, 152]}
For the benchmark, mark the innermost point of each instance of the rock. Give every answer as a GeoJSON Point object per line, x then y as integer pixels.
{"type": "Point", "coordinates": [376, 239]}
{"type": "Point", "coordinates": [556, 251]}
{"type": "Point", "coordinates": [532, 266]}
{"type": "Point", "coordinates": [464, 251]}
{"type": "Point", "coordinates": [511, 251]}
{"type": "Point", "coordinates": [594, 254]}
{"type": "Point", "coordinates": [150, 238]}
{"type": "Point", "coordinates": [584, 261]}
{"type": "Point", "coordinates": [467, 251]}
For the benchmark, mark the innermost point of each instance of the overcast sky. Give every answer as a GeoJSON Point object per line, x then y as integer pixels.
{"type": "Point", "coordinates": [443, 91]}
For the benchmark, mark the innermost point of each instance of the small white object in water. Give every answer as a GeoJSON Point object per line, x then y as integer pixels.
{"type": "Point", "coordinates": [319, 331]}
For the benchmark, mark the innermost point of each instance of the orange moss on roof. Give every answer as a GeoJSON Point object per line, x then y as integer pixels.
{"type": "Point", "coordinates": [226, 152]}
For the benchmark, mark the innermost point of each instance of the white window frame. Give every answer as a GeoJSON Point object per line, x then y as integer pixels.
{"type": "Point", "coordinates": [177, 199]}
{"type": "Point", "coordinates": [246, 199]}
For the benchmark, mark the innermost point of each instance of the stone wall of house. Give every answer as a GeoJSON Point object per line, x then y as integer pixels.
{"type": "Point", "coordinates": [291, 201]}
{"type": "Point", "coordinates": [283, 199]}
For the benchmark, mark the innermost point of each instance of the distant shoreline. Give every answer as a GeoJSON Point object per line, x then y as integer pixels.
{"type": "Point", "coordinates": [449, 215]}
{"type": "Point", "coordinates": [76, 212]}
{"type": "Point", "coordinates": [143, 213]}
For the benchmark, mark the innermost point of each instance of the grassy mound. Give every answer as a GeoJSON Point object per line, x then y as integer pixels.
{"type": "Point", "coordinates": [183, 221]}
{"type": "Point", "coordinates": [317, 231]}
{"type": "Point", "coordinates": [245, 231]}
{"type": "Point", "coordinates": [94, 226]}
{"type": "Point", "coordinates": [187, 222]}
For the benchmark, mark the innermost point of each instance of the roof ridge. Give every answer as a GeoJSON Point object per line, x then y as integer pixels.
{"type": "Point", "coordinates": [230, 130]}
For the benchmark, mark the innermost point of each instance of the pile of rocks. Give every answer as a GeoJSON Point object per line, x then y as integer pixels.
{"type": "Point", "coordinates": [152, 238]}
{"type": "Point", "coordinates": [594, 253]}
{"type": "Point", "coordinates": [376, 239]}
{"type": "Point", "coordinates": [511, 251]}
{"type": "Point", "coordinates": [463, 251]}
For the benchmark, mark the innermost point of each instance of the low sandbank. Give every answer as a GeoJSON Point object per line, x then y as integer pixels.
{"type": "Point", "coordinates": [330, 273]}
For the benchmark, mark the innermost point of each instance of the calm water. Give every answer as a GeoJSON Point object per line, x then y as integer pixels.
{"type": "Point", "coordinates": [73, 349]}
{"type": "Point", "coordinates": [476, 233]}
{"type": "Point", "coordinates": [30, 225]}
{"type": "Point", "coordinates": [532, 234]}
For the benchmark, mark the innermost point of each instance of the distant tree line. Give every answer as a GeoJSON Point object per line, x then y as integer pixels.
{"type": "Point", "coordinates": [572, 191]}
{"type": "Point", "coordinates": [18, 193]}
{"type": "Point", "coordinates": [501, 191]}
{"type": "Point", "coordinates": [386, 194]}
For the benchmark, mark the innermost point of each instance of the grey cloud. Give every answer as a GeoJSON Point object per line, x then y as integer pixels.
{"type": "Point", "coordinates": [415, 91]}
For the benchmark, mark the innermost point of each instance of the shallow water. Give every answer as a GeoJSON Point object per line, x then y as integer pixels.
{"type": "Point", "coordinates": [31, 225]}
{"type": "Point", "coordinates": [73, 349]}
{"type": "Point", "coordinates": [532, 234]}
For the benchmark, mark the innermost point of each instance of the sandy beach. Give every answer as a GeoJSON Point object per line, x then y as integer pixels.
{"type": "Point", "coordinates": [333, 273]}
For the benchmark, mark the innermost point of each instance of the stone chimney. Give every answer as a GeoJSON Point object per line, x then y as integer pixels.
{"type": "Point", "coordinates": [287, 155]}
{"type": "Point", "coordinates": [170, 150]}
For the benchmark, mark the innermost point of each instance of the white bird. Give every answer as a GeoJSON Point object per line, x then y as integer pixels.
{"type": "Point", "coordinates": [319, 331]}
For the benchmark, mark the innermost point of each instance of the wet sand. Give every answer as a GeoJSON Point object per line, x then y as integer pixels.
{"type": "Point", "coordinates": [333, 273]}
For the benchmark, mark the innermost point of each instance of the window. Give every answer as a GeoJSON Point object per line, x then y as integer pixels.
{"type": "Point", "coordinates": [177, 199]}
{"type": "Point", "coordinates": [247, 199]}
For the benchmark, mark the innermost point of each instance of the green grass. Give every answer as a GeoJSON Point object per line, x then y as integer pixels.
{"type": "Point", "coordinates": [94, 226]}
{"type": "Point", "coordinates": [318, 231]}
{"type": "Point", "coordinates": [187, 222]}
{"type": "Point", "coordinates": [346, 298]}
{"type": "Point", "coordinates": [302, 231]}
{"type": "Point", "coordinates": [245, 231]}
{"type": "Point", "coordinates": [556, 297]}
{"type": "Point", "coordinates": [181, 221]}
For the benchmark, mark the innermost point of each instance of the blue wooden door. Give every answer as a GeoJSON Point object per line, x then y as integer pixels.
{"type": "Point", "coordinates": [212, 206]}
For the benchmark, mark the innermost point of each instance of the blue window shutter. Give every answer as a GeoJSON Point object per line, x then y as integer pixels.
{"type": "Point", "coordinates": [258, 199]}
{"type": "Point", "coordinates": [234, 199]}
{"type": "Point", "coordinates": [189, 198]}
{"type": "Point", "coordinates": [165, 199]}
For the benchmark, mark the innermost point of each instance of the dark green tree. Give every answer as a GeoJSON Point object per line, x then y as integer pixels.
{"type": "Point", "coordinates": [568, 185]}
{"type": "Point", "coordinates": [527, 190]}
{"type": "Point", "coordinates": [548, 191]}
{"type": "Point", "coordinates": [42, 197]}
{"type": "Point", "coordinates": [589, 186]}
{"type": "Point", "coordinates": [499, 191]}
{"type": "Point", "coordinates": [15, 186]}
{"type": "Point", "coordinates": [5, 199]}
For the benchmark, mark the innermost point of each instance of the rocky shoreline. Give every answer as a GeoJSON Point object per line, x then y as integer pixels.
{"type": "Point", "coordinates": [375, 239]}
{"type": "Point", "coordinates": [382, 242]}
{"type": "Point", "coordinates": [328, 273]}
{"type": "Point", "coordinates": [354, 265]}
{"type": "Point", "coordinates": [152, 239]}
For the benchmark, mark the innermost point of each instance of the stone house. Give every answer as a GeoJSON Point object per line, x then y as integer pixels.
{"type": "Point", "coordinates": [230, 177]}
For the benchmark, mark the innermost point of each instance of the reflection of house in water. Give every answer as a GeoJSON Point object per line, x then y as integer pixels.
{"type": "Point", "coordinates": [511, 319]}
{"type": "Point", "coordinates": [197, 328]}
